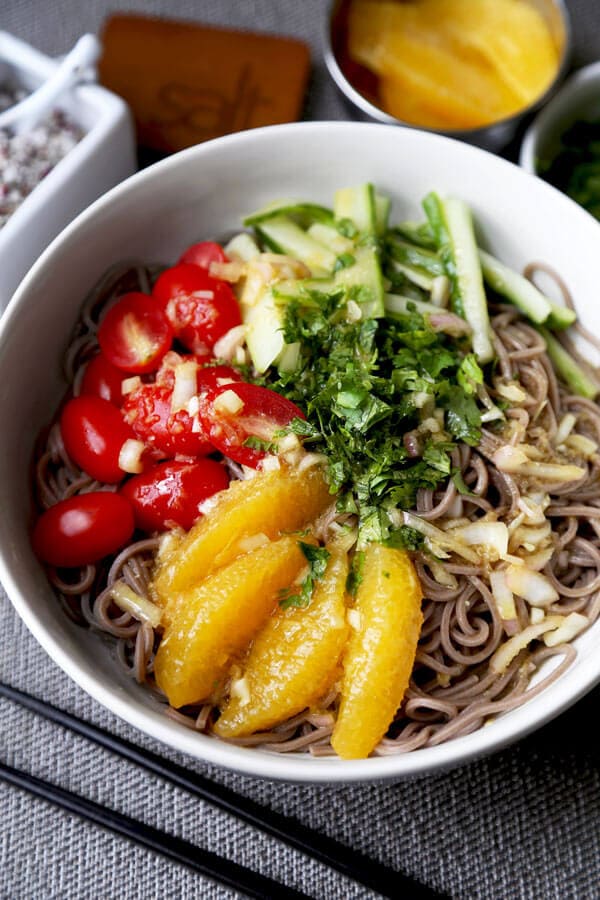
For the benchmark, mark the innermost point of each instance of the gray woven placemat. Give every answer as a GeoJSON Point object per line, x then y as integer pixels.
{"type": "Point", "coordinates": [522, 824]}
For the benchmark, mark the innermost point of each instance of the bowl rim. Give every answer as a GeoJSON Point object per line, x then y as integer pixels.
{"type": "Point", "coordinates": [465, 134]}
{"type": "Point", "coordinates": [569, 688]}
{"type": "Point", "coordinates": [545, 121]}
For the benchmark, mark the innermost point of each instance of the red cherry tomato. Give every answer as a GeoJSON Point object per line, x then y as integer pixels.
{"type": "Point", "coordinates": [262, 414]}
{"type": "Point", "coordinates": [83, 529]}
{"type": "Point", "coordinates": [93, 433]}
{"type": "Point", "coordinates": [203, 254]}
{"type": "Point", "coordinates": [135, 334]}
{"type": "Point", "coordinates": [211, 377]}
{"type": "Point", "coordinates": [102, 379]}
{"type": "Point", "coordinates": [201, 309]}
{"type": "Point", "coordinates": [171, 493]}
{"type": "Point", "coordinates": [148, 411]}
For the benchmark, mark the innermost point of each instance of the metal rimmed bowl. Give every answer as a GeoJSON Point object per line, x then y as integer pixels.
{"type": "Point", "coordinates": [491, 137]}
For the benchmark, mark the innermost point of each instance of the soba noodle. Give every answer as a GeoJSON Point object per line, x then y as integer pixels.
{"type": "Point", "coordinates": [453, 691]}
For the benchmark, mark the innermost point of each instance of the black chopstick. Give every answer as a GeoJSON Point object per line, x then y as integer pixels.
{"type": "Point", "coordinates": [228, 873]}
{"type": "Point", "coordinates": [345, 860]}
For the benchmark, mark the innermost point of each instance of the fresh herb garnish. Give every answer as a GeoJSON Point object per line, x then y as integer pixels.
{"type": "Point", "coordinates": [355, 575]}
{"type": "Point", "coordinates": [317, 558]}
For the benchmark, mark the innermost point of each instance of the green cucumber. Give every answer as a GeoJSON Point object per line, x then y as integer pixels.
{"type": "Point", "coordinates": [508, 283]}
{"type": "Point", "coordinates": [452, 225]}
{"type": "Point", "coordinates": [242, 247]}
{"type": "Point", "coordinates": [304, 214]}
{"type": "Point", "coordinates": [364, 282]}
{"type": "Point", "coordinates": [358, 205]}
{"type": "Point", "coordinates": [283, 235]}
{"type": "Point", "coordinates": [571, 372]}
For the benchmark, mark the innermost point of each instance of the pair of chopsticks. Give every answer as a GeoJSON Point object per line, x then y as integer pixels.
{"type": "Point", "coordinates": [348, 862]}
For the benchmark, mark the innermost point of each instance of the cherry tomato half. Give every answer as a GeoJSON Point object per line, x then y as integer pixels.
{"type": "Point", "coordinates": [83, 529]}
{"type": "Point", "coordinates": [148, 411]}
{"type": "Point", "coordinates": [93, 432]}
{"type": "Point", "coordinates": [212, 377]}
{"type": "Point", "coordinates": [135, 334]}
{"type": "Point", "coordinates": [203, 254]}
{"type": "Point", "coordinates": [262, 414]}
{"type": "Point", "coordinates": [102, 379]}
{"type": "Point", "coordinates": [171, 493]}
{"type": "Point", "coordinates": [201, 309]}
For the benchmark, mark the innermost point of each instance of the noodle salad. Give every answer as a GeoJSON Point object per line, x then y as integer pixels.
{"type": "Point", "coordinates": [332, 487]}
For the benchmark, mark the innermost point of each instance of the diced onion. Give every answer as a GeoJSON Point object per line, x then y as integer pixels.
{"type": "Point", "coordinates": [354, 619]}
{"type": "Point", "coordinates": [185, 386]}
{"type": "Point", "coordinates": [534, 510]}
{"type": "Point", "coordinates": [134, 604]}
{"type": "Point", "coordinates": [532, 586]}
{"type": "Point", "coordinates": [193, 406]}
{"type": "Point", "coordinates": [311, 459]}
{"type": "Point", "coordinates": [287, 443]}
{"type": "Point", "coordinates": [227, 271]}
{"type": "Point", "coordinates": [572, 625]}
{"type": "Point", "coordinates": [493, 536]}
{"type": "Point", "coordinates": [503, 596]}
{"type": "Point", "coordinates": [565, 427]}
{"type": "Point", "coordinates": [536, 615]}
{"type": "Point", "coordinates": [240, 689]}
{"type": "Point", "coordinates": [441, 574]}
{"type": "Point", "coordinates": [515, 461]}
{"type": "Point", "coordinates": [228, 402]}
{"type": "Point", "coordinates": [226, 346]}
{"type": "Point", "coordinates": [582, 445]}
{"type": "Point", "coordinates": [353, 311]}
{"type": "Point", "coordinates": [270, 463]}
{"type": "Point", "coordinates": [530, 537]}
{"type": "Point", "coordinates": [443, 539]}
{"type": "Point", "coordinates": [511, 391]}
{"type": "Point", "coordinates": [130, 456]}
{"type": "Point", "coordinates": [506, 652]}
{"type": "Point", "coordinates": [536, 561]}
{"type": "Point", "coordinates": [128, 385]}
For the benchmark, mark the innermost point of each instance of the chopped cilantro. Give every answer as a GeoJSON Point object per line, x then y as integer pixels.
{"type": "Point", "coordinates": [459, 483]}
{"type": "Point", "coordinates": [364, 385]}
{"type": "Point", "coordinates": [317, 558]}
{"type": "Point", "coordinates": [344, 261]}
{"type": "Point", "coordinates": [256, 443]}
{"type": "Point", "coordinates": [405, 538]}
{"type": "Point", "coordinates": [355, 575]}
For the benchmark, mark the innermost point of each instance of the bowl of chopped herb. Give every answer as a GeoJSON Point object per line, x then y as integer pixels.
{"type": "Point", "coordinates": [562, 145]}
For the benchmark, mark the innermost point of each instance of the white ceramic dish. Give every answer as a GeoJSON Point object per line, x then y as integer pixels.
{"type": "Point", "coordinates": [104, 156]}
{"type": "Point", "coordinates": [205, 191]}
{"type": "Point", "coordinates": [579, 98]}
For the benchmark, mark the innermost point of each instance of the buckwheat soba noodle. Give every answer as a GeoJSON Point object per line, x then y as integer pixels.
{"type": "Point", "coordinates": [460, 679]}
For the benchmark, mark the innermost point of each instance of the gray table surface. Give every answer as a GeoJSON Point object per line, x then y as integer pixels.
{"type": "Point", "coordinates": [522, 824]}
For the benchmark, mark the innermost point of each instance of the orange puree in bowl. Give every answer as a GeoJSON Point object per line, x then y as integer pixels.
{"type": "Point", "coordinates": [453, 64]}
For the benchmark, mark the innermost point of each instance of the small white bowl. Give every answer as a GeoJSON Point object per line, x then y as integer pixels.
{"type": "Point", "coordinates": [578, 99]}
{"type": "Point", "coordinates": [103, 157]}
{"type": "Point", "coordinates": [202, 192]}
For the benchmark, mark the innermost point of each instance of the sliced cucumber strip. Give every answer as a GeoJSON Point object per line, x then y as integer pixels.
{"type": "Point", "coordinates": [358, 205]}
{"type": "Point", "coordinates": [284, 236]}
{"type": "Point", "coordinates": [452, 226]}
{"type": "Point", "coordinates": [304, 214]}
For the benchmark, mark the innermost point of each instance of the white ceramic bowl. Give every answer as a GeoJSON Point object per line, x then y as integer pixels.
{"type": "Point", "coordinates": [103, 157]}
{"type": "Point", "coordinates": [579, 98]}
{"type": "Point", "coordinates": [205, 191]}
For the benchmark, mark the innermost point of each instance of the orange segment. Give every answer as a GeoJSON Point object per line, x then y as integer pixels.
{"type": "Point", "coordinates": [216, 620]}
{"type": "Point", "coordinates": [381, 651]}
{"type": "Point", "coordinates": [453, 63]}
{"type": "Point", "coordinates": [268, 504]}
{"type": "Point", "coordinates": [294, 659]}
